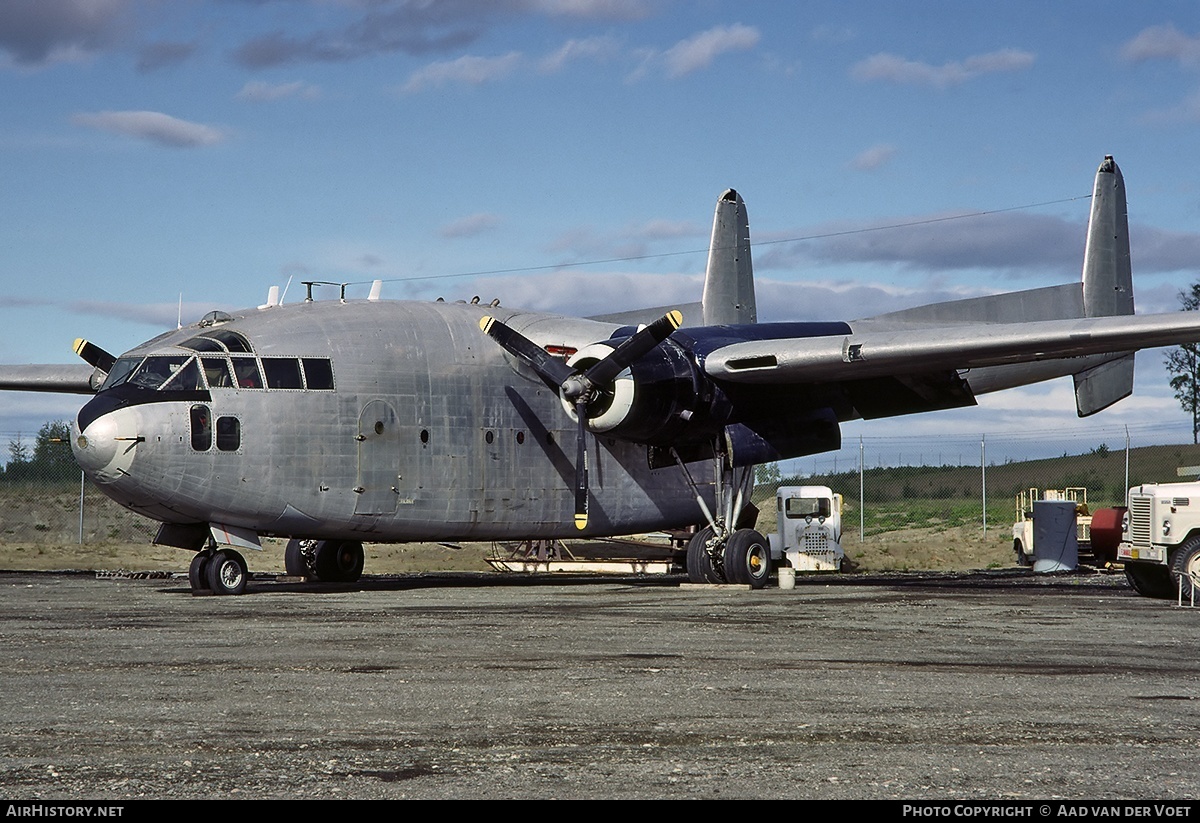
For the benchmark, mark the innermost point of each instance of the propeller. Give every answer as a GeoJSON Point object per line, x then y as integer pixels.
{"type": "Point", "coordinates": [581, 388]}
{"type": "Point", "coordinates": [94, 355]}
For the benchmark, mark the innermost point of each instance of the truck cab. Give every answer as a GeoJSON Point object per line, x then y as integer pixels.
{"type": "Point", "coordinates": [1160, 540]}
{"type": "Point", "coordinates": [808, 533]}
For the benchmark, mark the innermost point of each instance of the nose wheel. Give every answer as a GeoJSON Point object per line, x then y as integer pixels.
{"type": "Point", "coordinates": [218, 572]}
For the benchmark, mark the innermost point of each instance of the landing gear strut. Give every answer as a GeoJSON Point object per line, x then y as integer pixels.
{"type": "Point", "coordinates": [722, 552]}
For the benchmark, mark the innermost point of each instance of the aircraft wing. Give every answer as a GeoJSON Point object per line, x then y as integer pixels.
{"type": "Point", "coordinates": [928, 348]}
{"type": "Point", "coordinates": [63, 379]}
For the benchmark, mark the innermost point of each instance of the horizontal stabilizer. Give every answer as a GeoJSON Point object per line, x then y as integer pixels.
{"type": "Point", "coordinates": [1098, 388]}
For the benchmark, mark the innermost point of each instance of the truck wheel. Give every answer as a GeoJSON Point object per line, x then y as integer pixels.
{"type": "Point", "coordinates": [1020, 552]}
{"type": "Point", "coordinates": [1150, 580]}
{"type": "Point", "coordinates": [699, 564]}
{"type": "Point", "coordinates": [747, 558]}
{"type": "Point", "coordinates": [1185, 569]}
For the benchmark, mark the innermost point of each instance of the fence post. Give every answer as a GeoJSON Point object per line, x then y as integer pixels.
{"type": "Point", "coordinates": [983, 477]}
{"type": "Point", "coordinates": [82, 479]}
{"type": "Point", "coordinates": [862, 500]}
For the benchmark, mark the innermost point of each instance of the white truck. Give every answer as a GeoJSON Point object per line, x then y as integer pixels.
{"type": "Point", "coordinates": [808, 533]}
{"type": "Point", "coordinates": [1160, 539]}
{"type": "Point", "coordinates": [1022, 531]}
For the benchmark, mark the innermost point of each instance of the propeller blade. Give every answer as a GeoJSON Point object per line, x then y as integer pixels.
{"type": "Point", "coordinates": [633, 348]}
{"type": "Point", "coordinates": [550, 368]}
{"type": "Point", "coordinates": [581, 467]}
{"type": "Point", "coordinates": [94, 355]}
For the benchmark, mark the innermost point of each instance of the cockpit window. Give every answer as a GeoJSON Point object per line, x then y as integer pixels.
{"type": "Point", "coordinates": [216, 369]}
{"type": "Point", "coordinates": [282, 373]}
{"type": "Point", "coordinates": [219, 340]}
{"type": "Point", "coordinates": [202, 344]}
{"type": "Point", "coordinates": [318, 373]}
{"type": "Point", "coordinates": [245, 369]}
{"type": "Point", "coordinates": [185, 378]}
{"type": "Point", "coordinates": [155, 371]}
{"type": "Point", "coordinates": [120, 371]}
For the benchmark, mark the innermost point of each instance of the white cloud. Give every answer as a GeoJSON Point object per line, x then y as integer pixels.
{"type": "Point", "coordinates": [698, 51]}
{"type": "Point", "coordinates": [1162, 43]}
{"type": "Point", "coordinates": [257, 91]}
{"type": "Point", "coordinates": [592, 48]}
{"type": "Point", "coordinates": [473, 71]}
{"type": "Point", "coordinates": [470, 226]}
{"type": "Point", "coordinates": [153, 126]}
{"type": "Point", "coordinates": [874, 157]}
{"type": "Point", "coordinates": [895, 69]}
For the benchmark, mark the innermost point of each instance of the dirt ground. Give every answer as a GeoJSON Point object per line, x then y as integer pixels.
{"type": "Point", "coordinates": [959, 549]}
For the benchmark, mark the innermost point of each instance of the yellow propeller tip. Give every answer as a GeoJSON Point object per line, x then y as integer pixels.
{"type": "Point", "coordinates": [78, 345]}
{"type": "Point", "coordinates": [581, 521]}
{"type": "Point", "coordinates": [486, 321]}
{"type": "Point", "coordinates": [676, 318]}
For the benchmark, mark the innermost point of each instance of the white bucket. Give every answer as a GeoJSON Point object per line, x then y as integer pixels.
{"type": "Point", "coordinates": [787, 577]}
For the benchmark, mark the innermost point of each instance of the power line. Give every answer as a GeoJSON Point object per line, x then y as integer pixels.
{"type": "Point", "coordinates": [661, 255]}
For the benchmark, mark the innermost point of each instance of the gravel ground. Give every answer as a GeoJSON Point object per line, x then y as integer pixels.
{"type": "Point", "coordinates": [987, 685]}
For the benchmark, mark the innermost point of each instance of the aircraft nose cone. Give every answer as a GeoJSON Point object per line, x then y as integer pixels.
{"type": "Point", "coordinates": [105, 447]}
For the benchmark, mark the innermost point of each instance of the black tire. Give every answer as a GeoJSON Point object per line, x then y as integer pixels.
{"type": "Point", "coordinates": [1185, 570]}
{"type": "Point", "coordinates": [1022, 560]}
{"type": "Point", "coordinates": [747, 559]}
{"type": "Point", "coordinates": [227, 572]}
{"type": "Point", "coordinates": [1150, 580]}
{"type": "Point", "coordinates": [294, 562]}
{"type": "Point", "coordinates": [339, 561]}
{"type": "Point", "coordinates": [198, 571]}
{"type": "Point", "coordinates": [699, 564]}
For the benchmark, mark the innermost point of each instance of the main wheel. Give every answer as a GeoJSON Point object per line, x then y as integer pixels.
{"type": "Point", "coordinates": [198, 571]}
{"type": "Point", "coordinates": [295, 561]}
{"type": "Point", "coordinates": [227, 572]}
{"type": "Point", "coordinates": [699, 564]}
{"type": "Point", "coordinates": [1185, 569]}
{"type": "Point", "coordinates": [747, 558]}
{"type": "Point", "coordinates": [339, 561]}
{"type": "Point", "coordinates": [1150, 580]}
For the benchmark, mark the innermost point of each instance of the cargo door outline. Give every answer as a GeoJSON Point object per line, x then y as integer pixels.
{"type": "Point", "coordinates": [378, 456]}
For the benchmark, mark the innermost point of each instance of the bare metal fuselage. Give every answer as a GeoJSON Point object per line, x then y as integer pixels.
{"type": "Point", "coordinates": [431, 432]}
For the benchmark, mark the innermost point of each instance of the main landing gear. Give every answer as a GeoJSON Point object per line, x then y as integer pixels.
{"type": "Point", "coordinates": [728, 549]}
{"type": "Point", "coordinates": [327, 561]}
{"type": "Point", "coordinates": [223, 571]}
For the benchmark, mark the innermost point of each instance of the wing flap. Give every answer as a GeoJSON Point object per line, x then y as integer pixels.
{"type": "Point", "coordinates": [926, 349]}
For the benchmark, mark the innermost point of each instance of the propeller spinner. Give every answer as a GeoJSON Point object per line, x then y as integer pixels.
{"type": "Point", "coordinates": [582, 387]}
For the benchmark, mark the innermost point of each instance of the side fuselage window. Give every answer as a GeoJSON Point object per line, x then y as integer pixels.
{"type": "Point", "coordinates": [229, 434]}
{"type": "Point", "coordinates": [201, 428]}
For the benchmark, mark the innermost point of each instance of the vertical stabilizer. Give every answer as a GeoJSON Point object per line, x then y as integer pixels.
{"type": "Point", "coordinates": [1107, 287]}
{"type": "Point", "coordinates": [729, 279]}
{"type": "Point", "coordinates": [1107, 273]}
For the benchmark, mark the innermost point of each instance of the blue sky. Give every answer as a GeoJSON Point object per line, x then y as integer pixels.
{"type": "Point", "coordinates": [165, 158]}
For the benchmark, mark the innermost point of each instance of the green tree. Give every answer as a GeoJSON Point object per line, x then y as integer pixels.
{"type": "Point", "coordinates": [1183, 364]}
{"type": "Point", "coordinates": [52, 458]}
